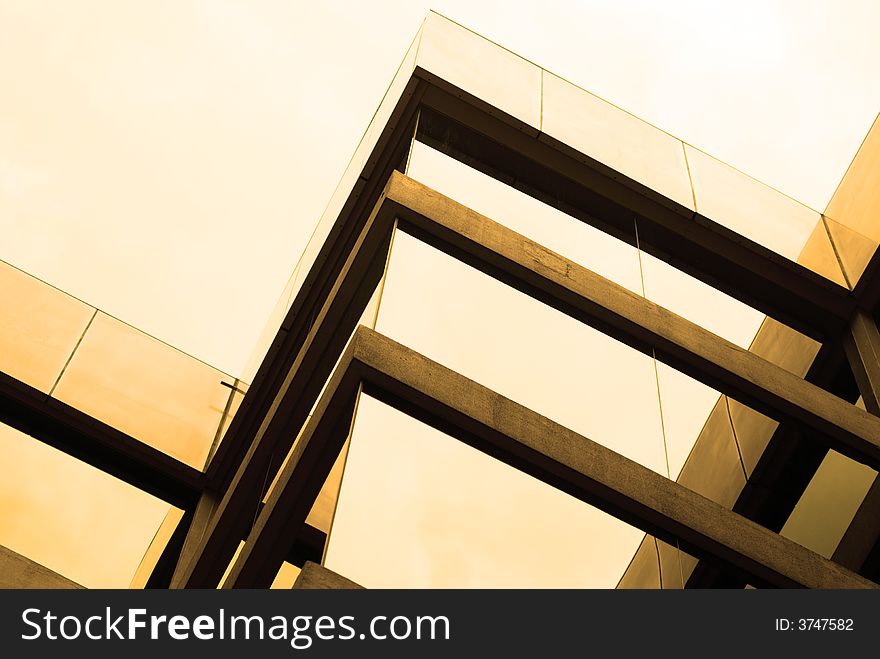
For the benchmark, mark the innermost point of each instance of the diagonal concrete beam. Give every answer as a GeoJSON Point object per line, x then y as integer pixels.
{"type": "Point", "coordinates": [529, 442]}
{"type": "Point", "coordinates": [537, 271]}
{"type": "Point", "coordinates": [862, 346]}
{"type": "Point", "coordinates": [630, 318]}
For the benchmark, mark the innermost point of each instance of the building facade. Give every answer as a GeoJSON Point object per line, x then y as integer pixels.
{"type": "Point", "coordinates": [533, 341]}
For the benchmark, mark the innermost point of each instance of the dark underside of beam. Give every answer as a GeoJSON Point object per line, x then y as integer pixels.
{"type": "Point", "coordinates": [87, 439]}
{"type": "Point", "coordinates": [735, 265]}
{"type": "Point", "coordinates": [306, 545]}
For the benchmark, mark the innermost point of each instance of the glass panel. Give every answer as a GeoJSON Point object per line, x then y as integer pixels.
{"type": "Point", "coordinates": [271, 329]}
{"type": "Point", "coordinates": [594, 249]}
{"type": "Point", "coordinates": [828, 505]}
{"type": "Point", "coordinates": [146, 389]}
{"type": "Point", "coordinates": [785, 347]}
{"type": "Point", "coordinates": [854, 250]}
{"type": "Point", "coordinates": [231, 563]}
{"type": "Point", "coordinates": [714, 466]}
{"type": "Point", "coordinates": [70, 517]}
{"type": "Point", "coordinates": [676, 566]}
{"type": "Point", "coordinates": [856, 202]}
{"type": "Point", "coordinates": [237, 390]}
{"type": "Point", "coordinates": [686, 405]}
{"type": "Point", "coordinates": [157, 546]}
{"type": "Point", "coordinates": [321, 514]}
{"type": "Point", "coordinates": [450, 51]}
{"type": "Point", "coordinates": [644, 569]}
{"type": "Point", "coordinates": [522, 349]}
{"type": "Point", "coordinates": [658, 564]}
{"type": "Point", "coordinates": [753, 431]}
{"type": "Point", "coordinates": [39, 328]}
{"type": "Point", "coordinates": [421, 509]}
{"type": "Point", "coordinates": [286, 577]}
{"type": "Point", "coordinates": [819, 256]}
{"type": "Point", "coordinates": [615, 138]}
{"type": "Point", "coordinates": [385, 117]}
{"type": "Point", "coordinates": [758, 212]}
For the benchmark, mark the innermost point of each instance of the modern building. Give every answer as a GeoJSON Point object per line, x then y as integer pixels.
{"type": "Point", "coordinates": [533, 341]}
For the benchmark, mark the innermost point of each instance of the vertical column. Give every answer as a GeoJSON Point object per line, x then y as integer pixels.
{"type": "Point", "coordinates": [862, 345]}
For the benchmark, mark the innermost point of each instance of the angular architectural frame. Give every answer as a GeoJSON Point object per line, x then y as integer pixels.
{"type": "Point", "coordinates": [336, 286]}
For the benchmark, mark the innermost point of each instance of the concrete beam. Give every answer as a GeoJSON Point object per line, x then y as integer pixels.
{"type": "Point", "coordinates": [630, 318]}
{"type": "Point", "coordinates": [98, 444]}
{"type": "Point", "coordinates": [862, 346]}
{"type": "Point", "coordinates": [317, 577]}
{"type": "Point", "coordinates": [17, 571]}
{"type": "Point", "coordinates": [547, 276]}
{"type": "Point", "coordinates": [529, 442]}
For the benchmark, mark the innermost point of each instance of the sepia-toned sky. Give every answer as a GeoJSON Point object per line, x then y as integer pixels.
{"type": "Point", "coordinates": [166, 161]}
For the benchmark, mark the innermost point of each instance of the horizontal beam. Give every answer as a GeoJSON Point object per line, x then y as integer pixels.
{"type": "Point", "coordinates": [83, 437]}
{"type": "Point", "coordinates": [527, 441]}
{"type": "Point", "coordinates": [630, 318]}
{"type": "Point", "coordinates": [559, 176]}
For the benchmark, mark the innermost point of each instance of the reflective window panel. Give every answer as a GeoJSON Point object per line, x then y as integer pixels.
{"type": "Point", "coordinates": [738, 202]}
{"type": "Point", "coordinates": [286, 577]}
{"type": "Point", "coordinates": [828, 505]}
{"type": "Point", "coordinates": [448, 51]}
{"type": "Point", "coordinates": [856, 202]}
{"type": "Point", "coordinates": [39, 328]}
{"type": "Point", "coordinates": [605, 133]}
{"type": "Point", "coordinates": [147, 389]}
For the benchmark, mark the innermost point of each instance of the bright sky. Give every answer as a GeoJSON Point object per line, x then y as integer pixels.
{"type": "Point", "coordinates": [166, 160]}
